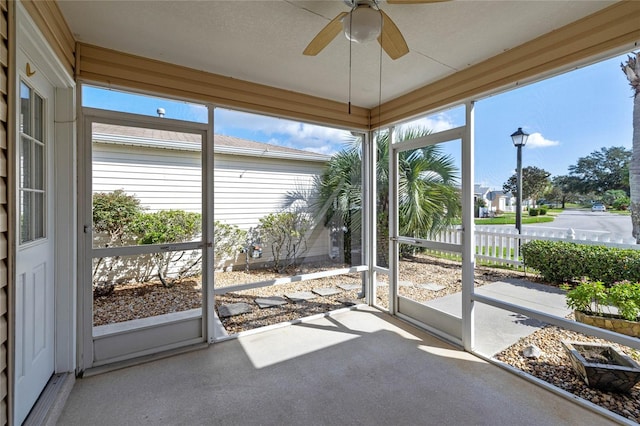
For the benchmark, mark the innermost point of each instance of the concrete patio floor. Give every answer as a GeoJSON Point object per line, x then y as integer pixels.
{"type": "Point", "coordinates": [355, 367]}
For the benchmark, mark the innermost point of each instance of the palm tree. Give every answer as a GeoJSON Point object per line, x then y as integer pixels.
{"type": "Point", "coordinates": [429, 198]}
{"type": "Point", "coordinates": [632, 70]}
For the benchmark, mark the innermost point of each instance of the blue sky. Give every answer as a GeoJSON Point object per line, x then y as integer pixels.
{"type": "Point", "coordinates": [568, 116]}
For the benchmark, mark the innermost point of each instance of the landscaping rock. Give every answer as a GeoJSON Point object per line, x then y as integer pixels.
{"type": "Point", "coordinates": [233, 309]}
{"type": "Point", "coordinates": [270, 302]}
{"type": "Point", "coordinates": [432, 286]}
{"type": "Point", "coordinates": [532, 351]}
{"type": "Point", "coordinates": [349, 287]}
{"type": "Point", "coordinates": [327, 291]}
{"type": "Point", "coordinates": [300, 296]}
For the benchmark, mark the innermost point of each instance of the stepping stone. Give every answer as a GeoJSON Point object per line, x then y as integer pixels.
{"type": "Point", "coordinates": [432, 286]}
{"type": "Point", "coordinates": [327, 291]}
{"type": "Point", "coordinates": [270, 302]}
{"type": "Point", "coordinates": [300, 296]}
{"type": "Point", "coordinates": [349, 287]}
{"type": "Point", "coordinates": [404, 283]}
{"type": "Point", "coordinates": [349, 302]}
{"type": "Point", "coordinates": [233, 309]}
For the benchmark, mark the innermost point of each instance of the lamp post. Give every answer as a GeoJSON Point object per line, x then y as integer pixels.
{"type": "Point", "coordinates": [519, 139]}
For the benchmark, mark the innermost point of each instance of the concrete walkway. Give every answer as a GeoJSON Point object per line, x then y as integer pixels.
{"type": "Point", "coordinates": [497, 329]}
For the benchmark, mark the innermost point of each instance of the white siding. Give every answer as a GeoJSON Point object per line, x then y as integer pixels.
{"type": "Point", "coordinates": [246, 188]}
{"type": "Point", "coordinates": [162, 179]}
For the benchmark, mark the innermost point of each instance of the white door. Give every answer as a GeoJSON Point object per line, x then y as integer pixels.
{"type": "Point", "coordinates": [34, 362]}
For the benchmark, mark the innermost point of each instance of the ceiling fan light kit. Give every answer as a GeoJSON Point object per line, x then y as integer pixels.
{"type": "Point", "coordinates": [363, 24]}
{"type": "Point", "coordinates": [366, 21]}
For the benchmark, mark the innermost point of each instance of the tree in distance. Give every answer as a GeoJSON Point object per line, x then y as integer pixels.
{"type": "Point", "coordinates": [535, 182]}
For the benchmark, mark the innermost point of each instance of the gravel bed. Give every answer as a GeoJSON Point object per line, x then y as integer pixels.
{"type": "Point", "coordinates": [142, 300]}
{"type": "Point", "coordinates": [553, 366]}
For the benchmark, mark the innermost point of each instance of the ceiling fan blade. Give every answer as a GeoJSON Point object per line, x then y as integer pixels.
{"type": "Point", "coordinates": [415, 1]}
{"type": "Point", "coordinates": [324, 37]}
{"type": "Point", "coordinates": [391, 38]}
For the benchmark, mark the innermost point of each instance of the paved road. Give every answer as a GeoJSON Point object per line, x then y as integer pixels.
{"type": "Point", "coordinates": [603, 224]}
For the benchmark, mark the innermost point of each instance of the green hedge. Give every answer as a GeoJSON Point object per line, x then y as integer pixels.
{"type": "Point", "coordinates": [559, 261]}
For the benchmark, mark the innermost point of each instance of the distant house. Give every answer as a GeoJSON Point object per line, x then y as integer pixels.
{"type": "Point", "coordinates": [162, 169]}
{"type": "Point", "coordinates": [480, 195]}
{"type": "Point", "coordinates": [496, 201]}
{"type": "Point", "coordinates": [500, 201]}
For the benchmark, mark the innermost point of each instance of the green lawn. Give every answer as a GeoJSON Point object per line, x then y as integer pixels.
{"type": "Point", "coordinates": [510, 219]}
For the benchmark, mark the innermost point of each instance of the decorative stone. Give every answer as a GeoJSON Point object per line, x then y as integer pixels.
{"type": "Point", "coordinates": [326, 291]}
{"type": "Point", "coordinates": [431, 286]}
{"type": "Point", "coordinates": [270, 302]}
{"type": "Point", "coordinates": [532, 351]}
{"type": "Point", "coordinates": [617, 324]}
{"type": "Point", "coordinates": [300, 296]}
{"type": "Point", "coordinates": [233, 309]}
{"type": "Point", "coordinates": [349, 287]}
{"type": "Point", "coordinates": [616, 372]}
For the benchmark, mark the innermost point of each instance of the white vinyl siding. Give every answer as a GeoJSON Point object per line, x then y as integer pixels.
{"type": "Point", "coordinates": [246, 188]}
{"type": "Point", "coordinates": [161, 179]}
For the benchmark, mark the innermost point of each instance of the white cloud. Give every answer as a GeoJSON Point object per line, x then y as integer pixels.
{"type": "Point", "coordinates": [436, 123]}
{"type": "Point", "coordinates": [536, 140]}
{"type": "Point", "coordinates": [303, 136]}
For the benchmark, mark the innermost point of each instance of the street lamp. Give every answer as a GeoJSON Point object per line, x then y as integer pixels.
{"type": "Point", "coordinates": [519, 139]}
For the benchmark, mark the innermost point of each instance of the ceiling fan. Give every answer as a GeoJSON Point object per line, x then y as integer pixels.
{"type": "Point", "coordinates": [365, 22]}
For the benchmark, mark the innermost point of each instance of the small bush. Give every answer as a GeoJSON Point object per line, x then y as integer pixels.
{"type": "Point", "coordinates": [286, 232]}
{"type": "Point", "coordinates": [621, 203]}
{"type": "Point", "coordinates": [170, 226]}
{"type": "Point", "coordinates": [534, 212]}
{"type": "Point", "coordinates": [593, 298]}
{"type": "Point", "coordinates": [542, 211]}
{"type": "Point", "coordinates": [228, 240]}
{"type": "Point", "coordinates": [114, 213]}
{"type": "Point", "coordinates": [559, 261]}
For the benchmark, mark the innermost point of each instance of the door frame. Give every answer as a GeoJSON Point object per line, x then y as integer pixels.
{"type": "Point", "coordinates": [30, 40]}
{"type": "Point", "coordinates": [115, 345]}
{"type": "Point", "coordinates": [454, 329]}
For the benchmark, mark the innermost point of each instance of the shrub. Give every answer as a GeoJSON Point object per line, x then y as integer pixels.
{"type": "Point", "coordinates": [287, 234]}
{"type": "Point", "coordinates": [542, 211]}
{"type": "Point", "coordinates": [588, 297]}
{"type": "Point", "coordinates": [621, 203]}
{"type": "Point", "coordinates": [592, 297]}
{"type": "Point", "coordinates": [559, 261]}
{"type": "Point", "coordinates": [228, 240]}
{"type": "Point", "coordinates": [170, 226]}
{"type": "Point", "coordinates": [114, 213]}
{"type": "Point", "coordinates": [534, 212]}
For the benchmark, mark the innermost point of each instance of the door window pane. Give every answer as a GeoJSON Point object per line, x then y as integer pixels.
{"type": "Point", "coordinates": [38, 166]}
{"type": "Point", "coordinates": [25, 163]}
{"type": "Point", "coordinates": [25, 109]}
{"type": "Point", "coordinates": [38, 125]}
{"type": "Point", "coordinates": [38, 215]}
{"type": "Point", "coordinates": [25, 218]}
{"type": "Point", "coordinates": [31, 167]}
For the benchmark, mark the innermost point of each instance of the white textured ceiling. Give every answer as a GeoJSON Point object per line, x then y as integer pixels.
{"type": "Point", "coordinates": [262, 41]}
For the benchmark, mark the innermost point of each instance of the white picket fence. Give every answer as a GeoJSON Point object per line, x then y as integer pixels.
{"type": "Point", "coordinates": [501, 244]}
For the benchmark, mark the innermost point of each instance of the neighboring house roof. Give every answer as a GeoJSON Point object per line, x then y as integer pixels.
{"type": "Point", "coordinates": [223, 144]}
{"type": "Point", "coordinates": [480, 190]}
